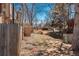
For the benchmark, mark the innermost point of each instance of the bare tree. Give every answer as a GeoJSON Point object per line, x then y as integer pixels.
{"type": "Point", "coordinates": [27, 13]}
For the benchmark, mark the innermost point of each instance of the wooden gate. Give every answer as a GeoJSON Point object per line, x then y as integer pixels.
{"type": "Point", "coordinates": [9, 38]}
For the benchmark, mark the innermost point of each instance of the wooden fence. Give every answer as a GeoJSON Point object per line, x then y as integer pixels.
{"type": "Point", "coordinates": [9, 38]}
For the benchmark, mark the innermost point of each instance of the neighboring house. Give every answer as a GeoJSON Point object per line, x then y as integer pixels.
{"type": "Point", "coordinates": [5, 12]}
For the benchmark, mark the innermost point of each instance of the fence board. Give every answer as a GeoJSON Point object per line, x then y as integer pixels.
{"type": "Point", "coordinates": [9, 36]}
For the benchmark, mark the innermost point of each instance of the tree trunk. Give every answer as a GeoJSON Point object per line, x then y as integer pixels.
{"type": "Point", "coordinates": [75, 40]}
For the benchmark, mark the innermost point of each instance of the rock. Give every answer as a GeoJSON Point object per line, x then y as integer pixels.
{"type": "Point", "coordinates": [29, 46]}
{"type": "Point", "coordinates": [49, 50]}
{"type": "Point", "coordinates": [45, 54]}
{"type": "Point", "coordinates": [62, 49]}
{"type": "Point", "coordinates": [58, 52]}
{"type": "Point", "coordinates": [65, 52]}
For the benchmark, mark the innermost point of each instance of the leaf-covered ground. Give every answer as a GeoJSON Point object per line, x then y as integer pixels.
{"type": "Point", "coordinates": [43, 45]}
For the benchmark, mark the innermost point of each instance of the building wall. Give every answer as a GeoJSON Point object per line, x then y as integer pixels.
{"type": "Point", "coordinates": [5, 12]}
{"type": "Point", "coordinates": [1, 18]}
{"type": "Point", "coordinates": [0, 8]}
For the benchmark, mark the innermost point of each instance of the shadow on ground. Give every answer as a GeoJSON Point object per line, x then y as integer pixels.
{"type": "Point", "coordinates": [57, 35]}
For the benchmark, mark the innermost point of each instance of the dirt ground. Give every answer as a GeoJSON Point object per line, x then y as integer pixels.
{"type": "Point", "coordinates": [43, 45]}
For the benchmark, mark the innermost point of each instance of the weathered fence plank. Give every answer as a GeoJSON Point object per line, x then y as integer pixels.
{"type": "Point", "coordinates": [1, 40]}
{"type": "Point", "coordinates": [9, 36]}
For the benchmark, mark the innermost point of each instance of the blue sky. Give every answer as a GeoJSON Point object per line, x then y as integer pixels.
{"type": "Point", "coordinates": [41, 9]}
